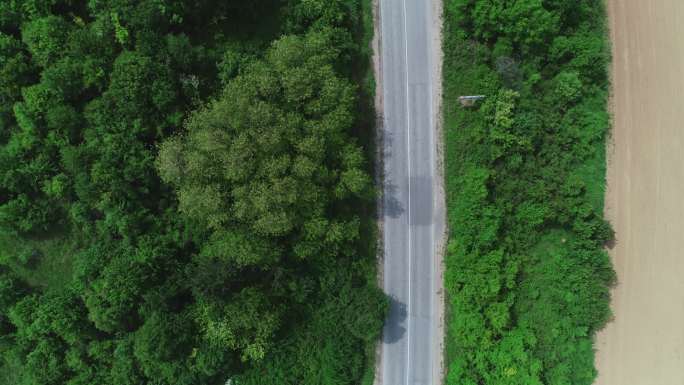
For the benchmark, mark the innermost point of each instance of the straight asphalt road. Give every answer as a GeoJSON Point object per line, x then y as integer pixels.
{"type": "Point", "coordinates": [412, 213]}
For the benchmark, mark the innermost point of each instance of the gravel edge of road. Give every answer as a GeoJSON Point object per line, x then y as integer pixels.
{"type": "Point", "coordinates": [439, 188]}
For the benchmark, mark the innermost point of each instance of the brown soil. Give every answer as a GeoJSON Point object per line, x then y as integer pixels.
{"type": "Point", "coordinates": [644, 344]}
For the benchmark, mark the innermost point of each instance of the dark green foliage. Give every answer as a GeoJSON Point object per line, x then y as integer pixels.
{"type": "Point", "coordinates": [320, 350]}
{"type": "Point", "coordinates": [182, 184]}
{"type": "Point", "coordinates": [162, 345]}
{"type": "Point", "coordinates": [527, 276]}
{"type": "Point", "coordinates": [45, 39]}
{"type": "Point", "coordinates": [365, 313]}
{"type": "Point", "coordinates": [11, 291]}
{"type": "Point", "coordinates": [112, 297]}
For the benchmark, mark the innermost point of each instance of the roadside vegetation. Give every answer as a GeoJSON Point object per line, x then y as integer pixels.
{"type": "Point", "coordinates": [185, 194]}
{"type": "Point", "coordinates": [527, 275]}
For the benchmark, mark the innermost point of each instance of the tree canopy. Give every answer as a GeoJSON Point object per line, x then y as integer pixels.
{"type": "Point", "coordinates": [184, 193]}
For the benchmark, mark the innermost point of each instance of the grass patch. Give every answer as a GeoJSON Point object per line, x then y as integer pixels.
{"type": "Point", "coordinates": [46, 263]}
{"type": "Point", "coordinates": [593, 174]}
{"type": "Point", "coordinates": [9, 369]}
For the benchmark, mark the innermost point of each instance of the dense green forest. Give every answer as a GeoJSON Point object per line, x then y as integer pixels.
{"type": "Point", "coordinates": [527, 275]}
{"type": "Point", "coordinates": [185, 194]}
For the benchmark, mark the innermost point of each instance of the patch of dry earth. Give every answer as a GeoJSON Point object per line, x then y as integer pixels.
{"type": "Point", "coordinates": [644, 344]}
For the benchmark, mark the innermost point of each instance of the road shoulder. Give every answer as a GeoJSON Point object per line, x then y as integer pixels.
{"type": "Point", "coordinates": [440, 195]}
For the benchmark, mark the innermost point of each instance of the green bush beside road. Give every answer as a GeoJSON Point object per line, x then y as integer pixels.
{"type": "Point", "coordinates": [527, 275]}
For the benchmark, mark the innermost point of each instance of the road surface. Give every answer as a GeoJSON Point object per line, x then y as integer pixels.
{"type": "Point", "coordinates": [644, 345]}
{"type": "Point", "coordinates": [413, 213]}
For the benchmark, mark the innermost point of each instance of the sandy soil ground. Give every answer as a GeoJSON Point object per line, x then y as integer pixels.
{"type": "Point", "coordinates": [644, 345]}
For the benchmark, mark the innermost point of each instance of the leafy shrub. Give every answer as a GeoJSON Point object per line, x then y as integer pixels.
{"type": "Point", "coordinates": [527, 277]}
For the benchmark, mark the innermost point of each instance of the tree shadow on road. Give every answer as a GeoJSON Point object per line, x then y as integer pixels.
{"type": "Point", "coordinates": [395, 328]}
{"type": "Point", "coordinates": [392, 206]}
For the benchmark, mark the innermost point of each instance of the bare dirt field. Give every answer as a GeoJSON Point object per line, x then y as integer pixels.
{"type": "Point", "coordinates": [644, 345]}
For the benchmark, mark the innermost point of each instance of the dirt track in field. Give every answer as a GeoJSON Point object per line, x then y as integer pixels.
{"type": "Point", "coordinates": [644, 345]}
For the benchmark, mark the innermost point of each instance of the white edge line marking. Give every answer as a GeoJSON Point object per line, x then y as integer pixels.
{"type": "Point", "coordinates": [433, 167]}
{"type": "Point", "coordinates": [408, 147]}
